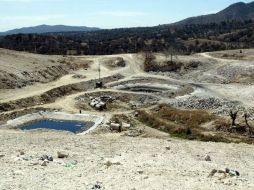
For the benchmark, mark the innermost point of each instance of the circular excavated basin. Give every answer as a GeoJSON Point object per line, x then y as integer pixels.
{"type": "Point", "coordinates": [147, 87]}
{"type": "Point", "coordinates": [76, 123]}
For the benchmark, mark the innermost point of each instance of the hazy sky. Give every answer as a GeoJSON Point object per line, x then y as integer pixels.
{"type": "Point", "coordinates": [103, 13]}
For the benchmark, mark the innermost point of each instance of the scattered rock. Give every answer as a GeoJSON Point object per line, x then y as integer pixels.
{"type": "Point", "coordinates": [46, 158]}
{"type": "Point", "coordinates": [232, 173]}
{"type": "Point", "coordinates": [1, 156]}
{"type": "Point", "coordinates": [208, 158]}
{"type": "Point", "coordinates": [140, 171]}
{"type": "Point", "coordinates": [62, 155]}
{"type": "Point", "coordinates": [98, 103]}
{"type": "Point", "coordinates": [226, 173]}
{"type": "Point", "coordinates": [97, 185]}
{"type": "Point", "coordinates": [50, 158]}
{"type": "Point", "coordinates": [134, 133]}
{"type": "Point", "coordinates": [44, 163]}
{"type": "Point", "coordinates": [109, 163]}
{"type": "Point", "coordinates": [168, 148]}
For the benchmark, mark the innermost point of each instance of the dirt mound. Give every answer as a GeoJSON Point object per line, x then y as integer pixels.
{"type": "Point", "coordinates": [21, 69]}
{"type": "Point", "coordinates": [11, 81]}
{"type": "Point", "coordinates": [114, 62]}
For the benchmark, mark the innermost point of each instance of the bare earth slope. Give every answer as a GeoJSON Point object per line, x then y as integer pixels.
{"type": "Point", "coordinates": [22, 69]}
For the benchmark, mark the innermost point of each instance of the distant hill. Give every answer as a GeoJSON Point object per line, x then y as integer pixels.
{"type": "Point", "coordinates": [198, 34]}
{"type": "Point", "coordinates": [236, 12]}
{"type": "Point", "coordinates": [49, 29]}
{"type": "Point", "coordinates": [185, 39]}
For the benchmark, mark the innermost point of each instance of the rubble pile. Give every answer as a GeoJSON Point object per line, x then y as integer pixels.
{"type": "Point", "coordinates": [234, 70]}
{"type": "Point", "coordinates": [218, 106]}
{"type": "Point", "coordinates": [99, 103]}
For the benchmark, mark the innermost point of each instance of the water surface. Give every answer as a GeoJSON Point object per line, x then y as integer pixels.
{"type": "Point", "coordinates": [71, 126]}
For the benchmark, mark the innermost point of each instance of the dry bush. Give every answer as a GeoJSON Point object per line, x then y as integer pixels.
{"type": "Point", "coordinates": [222, 124]}
{"type": "Point", "coordinates": [188, 118]}
{"type": "Point", "coordinates": [153, 120]}
{"type": "Point", "coordinates": [149, 61]}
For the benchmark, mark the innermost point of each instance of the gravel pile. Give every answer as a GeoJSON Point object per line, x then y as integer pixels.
{"type": "Point", "coordinates": [219, 106]}
{"type": "Point", "coordinates": [232, 72]}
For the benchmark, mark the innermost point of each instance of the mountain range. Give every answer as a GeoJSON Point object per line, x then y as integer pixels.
{"type": "Point", "coordinates": [49, 29]}
{"type": "Point", "coordinates": [236, 12]}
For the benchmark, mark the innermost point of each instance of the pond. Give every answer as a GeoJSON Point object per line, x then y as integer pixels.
{"type": "Point", "coordinates": [71, 126]}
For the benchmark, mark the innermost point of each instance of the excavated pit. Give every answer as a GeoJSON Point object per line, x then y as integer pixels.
{"type": "Point", "coordinates": [75, 123]}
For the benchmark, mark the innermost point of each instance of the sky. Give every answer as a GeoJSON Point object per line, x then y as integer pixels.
{"type": "Point", "coordinates": [103, 13]}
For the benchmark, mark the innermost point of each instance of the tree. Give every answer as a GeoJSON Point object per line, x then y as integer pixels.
{"type": "Point", "coordinates": [170, 52]}
{"type": "Point", "coordinates": [246, 116]}
{"type": "Point", "coordinates": [233, 115]}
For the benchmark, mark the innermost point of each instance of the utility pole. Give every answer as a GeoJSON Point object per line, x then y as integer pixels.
{"type": "Point", "coordinates": [99, 72]}
{"type": "Point", "coordinates": [99, 83]}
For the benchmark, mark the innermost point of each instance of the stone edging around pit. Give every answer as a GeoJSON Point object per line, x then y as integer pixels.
{"type": "Point", "coordinates": [16, 123]}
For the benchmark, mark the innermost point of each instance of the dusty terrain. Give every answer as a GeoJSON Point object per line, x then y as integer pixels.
{"type": "Point", "coordinates": [117, 162]}
{"type": "Point", "coordinates": [141, 157]}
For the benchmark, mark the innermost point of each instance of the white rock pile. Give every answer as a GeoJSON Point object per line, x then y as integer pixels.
{"type": "Point", "coordinates": [219, 106]}
{"type": "Point", "coordinates": [97, 103]}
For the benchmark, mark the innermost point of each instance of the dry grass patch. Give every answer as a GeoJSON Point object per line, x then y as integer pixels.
{"type": "Point", "coordinates": [188, 118]}
{"type": "Point", "coordinates": [182, 123]}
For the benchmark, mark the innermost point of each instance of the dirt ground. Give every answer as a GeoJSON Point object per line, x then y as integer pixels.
{"type": "Point", "coordinates": [111, 161]}
{"type": "Point", "coordinates": [106, 160]}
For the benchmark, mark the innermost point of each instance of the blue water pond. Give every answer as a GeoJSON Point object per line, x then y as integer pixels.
{"type": "Point", "coordinates": [71, 126]}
